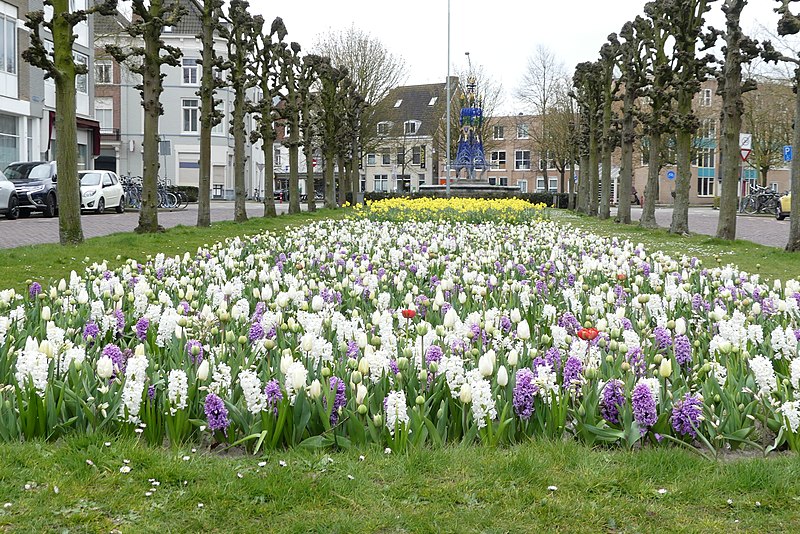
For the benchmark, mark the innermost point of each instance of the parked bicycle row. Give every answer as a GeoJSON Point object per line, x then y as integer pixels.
{"type": "Point", "coordinates": [762, 199]}
{"type": "Point", "coordinates": [168, 197]}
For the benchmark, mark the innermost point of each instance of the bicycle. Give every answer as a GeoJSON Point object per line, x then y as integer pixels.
{"type": "Point", "coordinates": [760, 200]}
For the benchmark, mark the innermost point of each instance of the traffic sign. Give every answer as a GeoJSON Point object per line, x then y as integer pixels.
{"type": "Point", "coordinates": [787, 153]}
{"type": "Point", "coordinates": [745, 153]}
{"type": "Point", "coordinates": [670, 175]}
{"type": "Point", "coordinates": [745, 141]}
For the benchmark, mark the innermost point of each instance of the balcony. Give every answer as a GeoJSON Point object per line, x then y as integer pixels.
{"type": "Point", "coordinates": [109, 134]}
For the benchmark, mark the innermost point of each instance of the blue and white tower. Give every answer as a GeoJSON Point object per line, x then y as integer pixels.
{"type": "Point", "coordinates": [470, 156]}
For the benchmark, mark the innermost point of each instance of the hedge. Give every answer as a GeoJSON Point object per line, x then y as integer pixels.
{"type": "Point", "coordinates": [561, 199]}
{"type": "Point", "coordinates": [190, 191]}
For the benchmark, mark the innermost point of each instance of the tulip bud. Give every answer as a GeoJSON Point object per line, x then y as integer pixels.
{"type": "Point", "coordinates": [377, 420]}
{"type": "Point", "coordinates": [523, 330]}
{"type": "Point", "coordinates": [502, 376]}
{"type": "Point", "coordinates": [665, 370]}
{"type": "Point", "coordinates": [139, 350]}
{"type": "Point", "coordinates": [361, 393]}
{"type": "Point", "coordinates": [46, 313]}
{"type": "Point", "coordinates": [512, 358]}
{"type": "Point", "coordinates": [420, 400]}
{"type": "Point", "coordinates": [202, 371]}
{"type": "Point", "coordinates": [465, 394]}
{"type": "Point", "coordinates": [47, 348]}
{"type": "Point", "coordinates": [315, 389]}
{"type": "Point", "coordinates": [363, 366]}
{"type": "Point", "coordinates": [625, 366]}
{"type": "Point", "coordinates": [355, 377]}
{"type": "Point", "coordinates": [105, 367]}
{"type": "Point", "coordinates": [362, 409]}
{"type": "Point", "coordinates": [486, 366]}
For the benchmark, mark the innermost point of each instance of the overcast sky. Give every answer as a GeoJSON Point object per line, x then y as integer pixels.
{"type": "Point", "coordinates": [500, 35]}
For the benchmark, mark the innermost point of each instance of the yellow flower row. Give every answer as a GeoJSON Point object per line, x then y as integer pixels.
{"type": "Point", "coordinates": [454, 209]}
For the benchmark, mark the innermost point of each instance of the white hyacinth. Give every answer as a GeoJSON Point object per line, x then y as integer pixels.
{"type": "Point", "coordinates": [764, 374]}
{"type": "Point", "coordinates": [483, 405]}
{"type": "Point", "coordinates": [135, 377]}
{"type": "Point", "coordinates": [784, 344]}
{"type": "Point", "coordinates": [791, 411]}
{"type": "Point", "coordinates": [221, 380]}
{"type": "Point", "coordinates": [177, 390]}
{"type": "Point", "coordinates": [396, 410]}
{"type": "Point", "coordinates": [794, 373]}
{"type": "Point", "coordinates": [453, 369]}
{"type": "Point", "coordinates": [32, 367]}
{"type": "Point", "coordinates": [253, 391]}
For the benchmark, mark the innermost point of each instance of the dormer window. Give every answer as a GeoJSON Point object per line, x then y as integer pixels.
{"type": "Point", "coordinates": [383, 128]}
{"type": "Point", "coordinates": [433, 100]}
{"type": "Point", "coordinates": [411, 127]}
{"type": "Point", "coordinates": [397, 104]}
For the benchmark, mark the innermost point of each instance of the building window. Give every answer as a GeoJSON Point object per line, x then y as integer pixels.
{"type": "Point", "coordinates": [523, 186]}
{"type": "Point", "coordinates": [708, 129]}
{"type": "Point", "coordinates": [522, 160]}
{"type": "Point", "coordinates": [416, 155]}
{"type": "Point", "coordinates": [498, 133]}
{"type": "Point", "coordinates": [706, 176]}
{"type": "Point", "coordinates": [410, 127]}
{"type": "Point", "coordinates": [400, 156]}
{"type": "Point", "coordinates": [103, 72]}
{"type": "Point", "coordinates": [492, 180]}
{"type": "Point", "coordinates": [546, 161]}
{"type": "Point", "coordinates": [371, 160]}
{"type": "Point", "coordinates": [363, 183]}
{"type": "Point", "coordinates": [498, 159]}
{"type": "Point", "coordinates": [189, 71]}
{"type": "Point", "coordinates": [381, 183]}
{"type": "Point", "coordinates": [421, 178]}
{"type": "Point", "coordinates": [81, 80]}
{"type": "Point", "coordinates": [540, 183]}
{"type": "Point", "coordinates": [522, 131]}
{"type": "Point", "coordinates": [433, 100]}
{"type": "Point", "coordinates": [553, 184]}
{"type": "Point", "coordinates": [191, 112]}
{"type": "Point", "coordinates": [386, 158]}
{"type": "Point", "coordinates": [383, 128]}
{"type": "Point", "coordinates": [104, 112]}
{"type": "Point", "coordinates": [705, 97]}
{"type": "Point", "coordinates": [9, 140]}
{"type": "Point", "coordinates": [8, 41]}
{"type": "Point", "coordinates": [276, 157]}
{"type": "Point", "coordinates": [504, 180]}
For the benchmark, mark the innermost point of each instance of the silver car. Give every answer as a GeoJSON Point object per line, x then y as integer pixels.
{"type": "Point", "coordinates": [9, 202]}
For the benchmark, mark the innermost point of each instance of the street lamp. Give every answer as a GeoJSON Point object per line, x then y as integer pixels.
{"type": "Point", "coordinates": [447, 164]}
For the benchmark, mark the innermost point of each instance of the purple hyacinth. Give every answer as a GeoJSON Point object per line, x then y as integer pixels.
{"type": "Point", "coordinates": [337, 385]}
{"type": "Point", "coordinates": [34, 289]}
{"type": "Point", "coordinates": [505, 324]}
{"type": "Point", "coordinates": [120, 317]}
{"type": "Point", "coordinates": [193, 346]}
{"type": "Point", "coordinates": [524, 393]}
{"type": "Point", "coordinates": [352, 349]}
{"type": "Point", "coordinates": [216, 414]}
{"type": "Point", "coordinates": [256, 332]}
{"type": "Point", "coordinates": [663, 339]}
{"type": "Point", "coordinates": [635, 359]}
{"type": "Point", "coordinates": [611, 400]}
{"type": "Point", "coordinates": [683, 350]}
{"type": "Point", "coordinates": [274, 396]}
{"type": "Point", "coordinates": [151, 392]}
{"type": "Point", "coordinates": [393, 366]}
{"type": "Point", "coordinates": [686, 414]}
{"type": "Point", "coordinates": [141, 328]}
{"type": "Point", "coordinates": [553, 358]}
{"type": "Point", "coordinates": [644, 407]}
{"type": "Point", "coordinates": [91, 330]}
{"type": "Point", "coordinates": [572, 373]}
{"type": "Point", "coordinates": [433, 354]}
{"type": "Point", "coordinates": [569, 322]}
{"type": "Point", "coordinates": [117, 357]}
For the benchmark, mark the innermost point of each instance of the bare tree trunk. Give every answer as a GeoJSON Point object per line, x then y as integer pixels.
{"type": "Point", "coordinates": [207, 111]}
{"type": "Point", "coordinates": [626, 167]}
{"type": "Point", "coordinates": [239, 134]}
{"type": "Point", "coordinates": [605, 194]}
{"type": "Point", "coordinates": [269, 171]}
{"type": "Point", "coordinates": [355, 178]}
{"type": "Point", "coordinates": [794, 218]}
{"type": "Point", "coordinates": [594, 174]}
{"type": "Point", "coordinates": [571, 186]}
{"type": "Point", "coordinates": [311, 191]}
{"type": "Point", "coordinates": [584, 187]}
{"type": "Point", "coordinates": [680, 209]}
{"type": "Point", "coordinates": [342, 181]}
{"type": "Point", "coordinates": [330, 183]}
{"type": "Point", "coordinates": [294, 166]}
{"type": "Point", "coordinates": [648, 219]}
{"type": "Point", "coordinates": [70, 231]}
{"type": "Point", "coordinates": [151, 93]}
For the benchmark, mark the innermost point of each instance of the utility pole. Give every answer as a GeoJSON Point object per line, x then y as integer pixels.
{"type": "Point", "coordinates": [447, 164]}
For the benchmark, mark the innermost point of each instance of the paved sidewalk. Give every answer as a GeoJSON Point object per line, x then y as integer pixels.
{"type": "Point", "coordinates": [37, 229]}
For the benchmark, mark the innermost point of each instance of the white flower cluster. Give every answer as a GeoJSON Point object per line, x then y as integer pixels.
{"type": "Point", "coordinates": [177, 390]}
{"type": "Point", "coordinates": [764, 375]}
{"type": "Point", "coordinates": [791, 411]}
{"type": "Point", "coordinates": [784, 344]}
{"type": "Point", "coordinates": [295, 380]}
{"type": "Point", "coordinates": [396, 410]}
{"type": "Point", "coordinates": [221, 380]}
{"type": "Point", "coordinates": [132, 391]}
{"type": "Point", "coordinates": [453, 369]}
{"type": "Point", "coordinates": [253, 392]}
{"type": "Point", "coordinates": [483, 405]}
{"type": "Point", "coordinates": [32, 367]}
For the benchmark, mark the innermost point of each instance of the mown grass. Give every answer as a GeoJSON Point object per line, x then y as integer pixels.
{"type": "Point", "coordinates": [47, 262]}
{"type": "Point", "coordinates": [455, 489]}
{"type": "Point", "coordinates": [771, 262]}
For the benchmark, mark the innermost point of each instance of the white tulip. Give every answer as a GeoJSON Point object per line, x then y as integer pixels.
{"type": "Point", "coordinates": [307, 342]}
{"type": "Point", "coordinates": [105, 367]}
{"type": "Point", "coordinates": [485, 365]}
{"type": "Point", "coordinates": [139, 350]}
{"type": "Point", "coordinates": [523, 330]}
{"type": "Point", "coordinates": [680, 326]}
{"type": "Point", "coordinates": [515, 315]}
{"type": "Point", "coordinates": [317, 303]}
{"type": "Point", "coordinates": [502, 376]}
{"type": "Point", "coordinates": [462, 298]}
{"type": "Point", "coordinates": [361, 393]}
{"type": "Point", "coordinates": [202, 371]}
{"type": "Point", "coordinates": [512, 358]}
{"type": "Point", "coordinates": [46, 313]}
{"type": "Point", "coordinates": [439, 298]}
{"type": "Point", "coordinates": [83, 297]}
{"type": "Point", "coordinates": [361, 339]}
{"type": "Point", "coordinates": [450, 318]}
{"type": "Point", "coordinates": [465, 394]}
{"type": "Point", "coordinates": [286, 361]}
{"type": "Point", "coordinates": [315, 389]}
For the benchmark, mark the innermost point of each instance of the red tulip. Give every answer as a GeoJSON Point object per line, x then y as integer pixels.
{"type": "Point", "coordinates": [621, 276]}
{"type": "Point", "coordinates": [409, 314]}
{"type": "Point", "coordinates": [588, 334]}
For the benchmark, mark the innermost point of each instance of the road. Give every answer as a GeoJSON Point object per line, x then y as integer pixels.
{"type": "Point", "coordinates": [37, 229]}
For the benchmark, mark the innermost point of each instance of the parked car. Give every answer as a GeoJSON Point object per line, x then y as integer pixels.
{"type": "Point", "coordinates": [9, 203]}
{"type": "Point", "coordinates": [784, 207]}
{"type": "Point", "coordinates": [101, 190]}
{"type": "Point", "coordinates": [36, 186]}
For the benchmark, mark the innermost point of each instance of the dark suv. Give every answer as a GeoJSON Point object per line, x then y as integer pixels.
{"type": "Point", "coordinates": [36, 186]}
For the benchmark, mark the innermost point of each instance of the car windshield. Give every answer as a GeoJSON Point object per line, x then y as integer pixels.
{"type": "Point", "coordinates": [90, 178]}
{"type": "Point", "coordinates": [27, 171]}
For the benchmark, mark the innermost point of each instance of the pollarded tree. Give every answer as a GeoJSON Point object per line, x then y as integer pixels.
{"type": "Point", "coordinates": [588, 92]}
{"type": "Point", "coordinates": [789, 24]}
{"type": "Point", "coordinates": [738, 50]}
{"type": "Point", "coordinates": [146, 61]}
{"type": "Point", "coordinates": [239, 32]}
{"type": "Point", "coordinates": [61, 67]}
{"type": "Point", "coordinates": [331, 80]}
{"type": "Point", "coordinates": [309, 116]}
{"type": "Point", "coordinates": [292, 76]}
{"type": "Point", "coordinates": [608, 137]}
{"type": "Point", "coordinates": [210, 116]}
{"type": "Point", "coordinates": [264, 70]}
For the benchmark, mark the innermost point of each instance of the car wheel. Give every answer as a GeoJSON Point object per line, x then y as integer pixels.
{"type": "Point", "coordinates": [101, 205]}
{"type": "Point", "coordinates": [13, 208]}
{"type": "Point", "coordinates": [121, 205]}
{"type": "Point", "coordinates": [780, 215]}
{"type": "Point", "coordinates": [50, 206]}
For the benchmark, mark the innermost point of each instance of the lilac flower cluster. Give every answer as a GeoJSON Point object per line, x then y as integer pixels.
{"type": "Point", "coordinates": [91, 331]}
{"type": "Point", "coordinates": [611, 400]}
{"type": "Point", "coordinates": [635, 359]}
{"type": "Point", "coordinates": [569, 322]}
{"type": "Point", "coordinates": [216, 413]}
{"type": "Point", "coordinates": [117, 357]}
{"type": "Point", "coordinates": [120, 317]}
{"type": "Point", "coordinates": [686, 414]}
{"type": "Point", "coordinates": [524, 393]}
{"type": "Point", "coordinates": [644, 407]}
{"type": "Point", "coordinates": [272, 391]}
{"type": "Point", "coordinates": [553, 358]}
{"type": "Point", "coordinates": [141, 328]}
{"type": "Point", "coordinates": [256, 332]}
{"type": "Point", "coordinates": [663, 339]}
{"type": "Point", "coordinates": [34, 289]}
{"type": "Point", "coordinates": [340, 400]}
{"type": "Point", "coordinates": [572, 374]}
{"type": "Point", "coordinates": [433, 354]}
{"type": "Point", "coordinates": [683, 350]}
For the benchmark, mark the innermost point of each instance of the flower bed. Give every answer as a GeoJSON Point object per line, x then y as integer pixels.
{"type": "Point", "coordinates": [407, 334]}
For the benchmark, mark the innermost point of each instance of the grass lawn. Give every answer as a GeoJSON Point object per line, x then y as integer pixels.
{"type": "Point", "coordinates": [456, 489]}
{"type": "Point", "coordinates": [79, 484]}
{"type": "Point", "coordinates": [770, 262]}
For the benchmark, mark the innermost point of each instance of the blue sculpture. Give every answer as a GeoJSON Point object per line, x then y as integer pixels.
{"type": "Point", "coordinates": [470, 156]}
